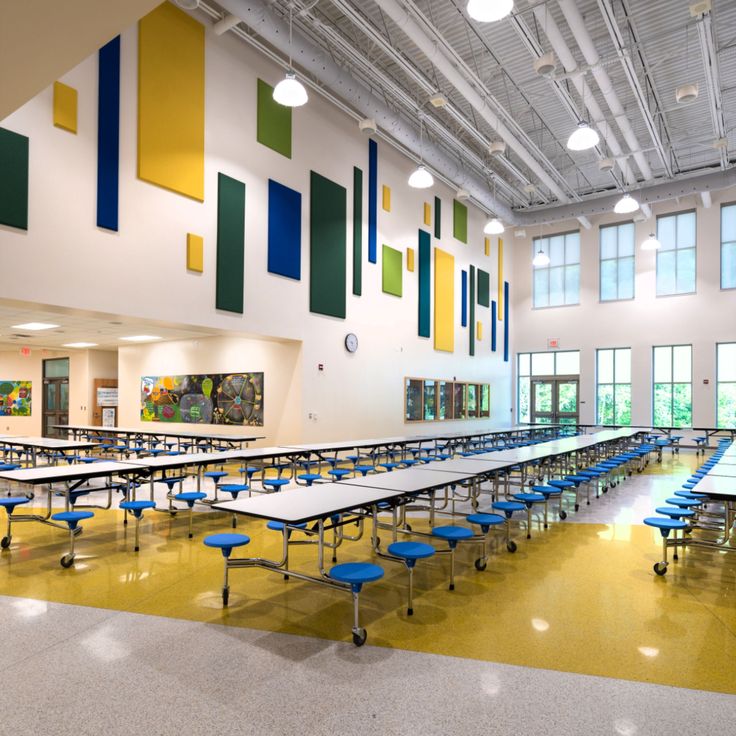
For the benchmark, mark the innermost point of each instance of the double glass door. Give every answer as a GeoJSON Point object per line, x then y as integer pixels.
{"type": "Point", "coordinates": [555, 400]}
{"type": "Point", "coordinates": [55, 396]}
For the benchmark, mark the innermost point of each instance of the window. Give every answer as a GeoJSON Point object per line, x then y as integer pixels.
{"type": "Point", "coordinates": [728, 246]}
{"type": "Point", "coordinates": [558, 283]}
{"type": "Point", "coordinates": [617, 262]}
{"type": "Point", "coordinates": [435, 399]}
{"type": "Point", "coordinates": [676, 257]}
{"type": "Point", "coordinates": [726, 380]}
{"type": "Point", "coordinates": [673, 386]}
{"type": "Point", "coordinates": [613, 392]}
{"type": "Point", "coordinates": [560, 363]}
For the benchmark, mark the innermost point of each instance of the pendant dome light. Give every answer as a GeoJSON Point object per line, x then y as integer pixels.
{"type": "Point", "coordinates": [488, 11]}
{"type": "Point", "coordinates": [421, 177]}
{"type": "Point", "coordinates": [626, 205]}
{"type": "Point", "coordinates": [541, 258]}
{"type": "Point", "coordinates": [494, 226]}
{"type": "Point", "coordinates": [290, 92]}
{"type": "Point", "coordinates": [651, 243]}
{"type": "Point", "coordinates": [583, 137]}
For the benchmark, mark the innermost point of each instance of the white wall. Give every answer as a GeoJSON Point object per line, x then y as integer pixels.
{"type": "Point", "coordinates": [701, 319]}
{"type": "Point", "coordinates": [140, 271]}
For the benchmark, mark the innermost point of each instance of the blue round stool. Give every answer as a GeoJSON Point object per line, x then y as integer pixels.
{"type": "Point", "coordinates": [452, 535]}
{"type": "Point", "coordinates": [190, 498]}
{"type": "Point", "coordinates": [356, 574]}
{"type": "Point", "coordinates": [225, 543]}
{"type": "Point", "coordinates": [508, 508]}
{"type": "Point", "coordinates": [137, 508]}
{"type": "Point", "coordinates": [551, 492]}
{"type": "Point", "coordinates": [665, 526]}
{"type": "Point", "coordinates": [309, 478]}
{"type": "Point", "coordinates": [275, 484]}
{"type": "Point", "coordinates": [217, 476]}
{"type": "Point", "coordinates": [485, 522]}
{"type": "Point", "coordinates": [10, 505]}
{"type": "Point", "coordinates": [71, 519]}
{"type": "Point", "coordinates": [410, 552]}
{"type": "Point", "coordinates": [338, 473]}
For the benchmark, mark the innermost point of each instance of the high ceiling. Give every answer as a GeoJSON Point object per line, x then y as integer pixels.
{"type": "Point", "coordinates": [627, 57]}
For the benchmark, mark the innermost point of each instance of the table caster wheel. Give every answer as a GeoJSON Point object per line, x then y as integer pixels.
{"type": "Point", "coordinates": [359, 637]}
{"type": "Point", "coordinates": [577, 506]}
{"type": "Point", "coordinates": [5, 543]}
{"type": "Point", "coordinates": [235, 523]}
{"type": "Point", "coordinates": [563, 515]}
{"type": "Point", "coordinates": [67, 561]}
{"type": "Point", "coordinates": [480, 564]}
{"type": "Point", "coordinates": [511, 545]}
{"type": "Point", "coordinates": [408, 527]}
{"type": "Point", "coordinates": [225, 596]}
{"type": "Point", "coordinates": [660, 568]}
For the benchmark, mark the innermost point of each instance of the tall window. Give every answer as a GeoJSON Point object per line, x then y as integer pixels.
{"type": "Point", "coordinates": [676, 257]}
{"type": "Point", "coordinates": [673, 386]}
{"type": "Point", "coordinates": [617, 261]}
{"type": "Point", "coordinates": [558, 283]}
{"type": "Point", "coordinates": [613, 394]}
{"type": "Point", "coordinates": [728, 246]}
{"type": "Point", "coordinates": [726, 379]}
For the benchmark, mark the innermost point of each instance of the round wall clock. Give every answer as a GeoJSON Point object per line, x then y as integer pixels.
{"type": "Point", "coordinates": [351, 342]}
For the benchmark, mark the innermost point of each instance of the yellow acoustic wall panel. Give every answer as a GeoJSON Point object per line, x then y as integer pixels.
{"type": "Point", "coordinates": [500, 278]}
{"type": "Point", "coordinates": [427, 214]}
{"type": "Point", "coordinates": [444, 301]}
{"type": "Point", "coordinates": [171, 101]}
{"type": "Point", "coordinates": [65, 107]}
{"type": "Point", "coordinates": [487, 245]}
{"type": "Point", "coordinates": [410, 259]}
{"type": "Point", "coordinates": [480, 331]}
{"type": "Point", "coordinates": [195, 252]}
{"type": "Point", "coordinates": [387, 198]}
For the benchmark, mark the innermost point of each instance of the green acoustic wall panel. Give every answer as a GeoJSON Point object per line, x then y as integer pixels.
{"type": "Point", "coordinates": [357, 231]}
{"type": "Point", "coordinates": [393, 269]}
{"type": "Point", "coordinates": [13, 179]}
{"type": "Point", "coordinates": [471, 331]}
{"type": "Point", "coordinates": [230, 244]}
{"type": "Point", "coordinates": [328, 222]}
{"type": "Point", "coordinates": [484, 288]}
{"type": "Point", "coordinates": [437, 217]}
{"type": "Point", "coordinates": [459, 221]}
{"type": "Point", "coordinates": [425, 283]}
{"type": "Point", "coordinates": [273, 121]}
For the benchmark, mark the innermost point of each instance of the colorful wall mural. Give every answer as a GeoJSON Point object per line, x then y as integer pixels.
{"type": "Point", "coordinates": [15, 398]}
{"type": "Point", "coordinates": [216, 398]}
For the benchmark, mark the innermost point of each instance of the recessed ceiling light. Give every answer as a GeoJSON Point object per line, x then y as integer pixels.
{"type": "Point", "coordinates": [80, 345]}
{"type": "Point", "coordinates": [35, 326]}
{"type": "Point", "coordinates": [141, 338]}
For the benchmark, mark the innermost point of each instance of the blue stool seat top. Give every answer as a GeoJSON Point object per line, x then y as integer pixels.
{"type": "Point", "coordinates": [9, 466]}
{"type": "Point", "coordinates": [388, 466]}
{"type": "Point", "coordinates": [590, 473]}
{"type": "Point", "coordinates": [689, 494]}
{"type": "Point", "coordinates": [508, 506]}
{"type": "Point", "coordinates": [530, 497]}
{"type": "Point", "coordinates": [684, 502]}
{"type": "Point", "coordinates": [275, 482]}
{"type": "Point", "coordinates": [190, 496]}
{"type": "Point", "coordinates": [577, 479]}
{"type": "Point", "coordinates": [452, 532]}
{"type": "Point", "coordinates": [233, 487]}
{"type": "Point", "coordinates": [546, 490]}
{"type": "Point", "coordinates": [660, 522]}
{"type": "Point", "coordinates": [485, 519]}
{"type": "Point", "coordinates": [72, 516]}
{"type": "Point", "coordinates": [215, 474]}
{"type": "Point", "coordinates": [675, 512]}
{"type": "Point", "coordinates": [11, 502]}
{"type": "Point", "coordinates": [411, 550]}
{"type": "Point", "coordinates": [248, 469]}
{"type": "Point", "coordinates": [339, 472]}
{"type": "Point", "coordinates": [226, 541]}
{"type": "Point", "coordinates": [308, 476]}
{"type": "Point", "coordinates": [278, 526]}
{"type": "Point", "coordinates": [356, 573]}
{"type": "Point", "coordinates": [137, 505]}
{"type": "Point", "coordinates": [409, 462]}
{"type": "Point", "coordinates": [561, 483]}
{"type": "Point", "coordinates": [364, 469]}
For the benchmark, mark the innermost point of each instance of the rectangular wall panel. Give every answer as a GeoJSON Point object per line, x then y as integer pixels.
{"type": "Point", "coordinates": [437, 217]}
{"type": "Point", "coordinates": [459, 221]}
{"type": "Point", "coordinates": [484, 288]}
{"type": "Point", "coordinates": [284, 231]}
{"type": "Point", "coordinates": [493, 325]}
{"type": "Point", "coordinates": [506, 322]}
{"type": "Point", "coordinates": [357, 231]}
{"type": "Point", "coordinates": [427, 214]}
{"type": "Point", "coordinates": [393, 271]}
{"type": "Point", "coordinates": [487, 246]}
{"type": "Point", "coordinates": [327, 246]}
{"type": "Point", "coordinates": [463, 298]}
{"type": "Point", "coordinates": [108, 134]}
{"type": "Point", "coordinates": [372, 200]}
{"type": "Point", "coordinates": [410, 259]}
{"type": "Point", "coordinates": [386, 198]}
{"type": "Point", "coordinates": [230, 244]}
{"type": "Point", "coordinates": [425, 251]}
{"type": "Point", "coordinates": [273, 121]}
{"type": "Point", "coordinates": [444, 301]}
{"type": "Point", "coordinates": [500, 279]}
{"type": "Point", "coordinates": [471, 331]}
{"type": "Point", "coordinates": [65, 107]}
{"type": "Point", "coordinates": [195, 253]}
{"type": "Point", "coordinates": [171, 101]}
{"type": "Point", "coordinates": [479, 334]}
{"type": "Point", "coordinates": [13, 179]}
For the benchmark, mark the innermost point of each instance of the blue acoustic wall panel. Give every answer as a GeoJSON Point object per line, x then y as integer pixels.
{"type": "Point", "coordinates": [506, 321]}
{"type": "Point", "coordinates": [463, 298]}
{"type": "Point", "coordinates": [471, 344]}
{"type": "Point", "coordinates": [372, 199]}
{"type": "Point", "coordinates": [108, 134]}
{"type": "Point", "coordinates": [425, 284]}
{"type": "Point", "coordinates": [493, 326]}
{"type": "Point", "coordinates": [284, 231]}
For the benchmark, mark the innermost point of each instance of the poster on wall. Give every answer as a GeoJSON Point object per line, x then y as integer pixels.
{"type": "Point", "coordinates": [15, 398]}
{"type": "Point", "coordinates": [214, 398]}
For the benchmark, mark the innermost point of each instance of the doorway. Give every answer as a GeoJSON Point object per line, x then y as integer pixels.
{"type": "Point", "coordinates": [555, 400]}
{"type": "Point", "coordinates": [55, 396]}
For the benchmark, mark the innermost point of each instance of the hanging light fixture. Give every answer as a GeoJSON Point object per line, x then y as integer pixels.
{"type": "Point", "coordinates": [494, 226]}
{"type": "Point", "coordinates": [651, 243]}
{"type": "Point", "coordinates": [488, 11]}
{"type": "Point", "coordinates": [290, 92]}
{"type": "Point", "coordinates": [583, 138]}
{"type": "Point", "coordinates": [626, 205]}
{"type": "Point", "coordinates": [541, 258]}
{"type": "Point", "coordinates": [421, 177]}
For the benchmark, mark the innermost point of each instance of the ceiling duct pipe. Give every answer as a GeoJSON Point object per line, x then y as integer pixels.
{"type": "Point", "coordinates": [259, 16]}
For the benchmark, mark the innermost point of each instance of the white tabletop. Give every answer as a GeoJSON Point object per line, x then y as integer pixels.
{"type": "Point", "coordinates": [474, 464]}
{"type": "Point", "coordinates": [725, 470]}
{"type": "Point", "coordinates": [162, 462]}
{"type": "Point", "coordinates": [59, 473]}
{"type": "Point", "coordinates": [48, 443]}
{"type": "Point", "coordinates": [186, 434]}
{"type": "Point", "coordinates": [717, 486]}
{"type": "Point", "coordinates": [411, 480]}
